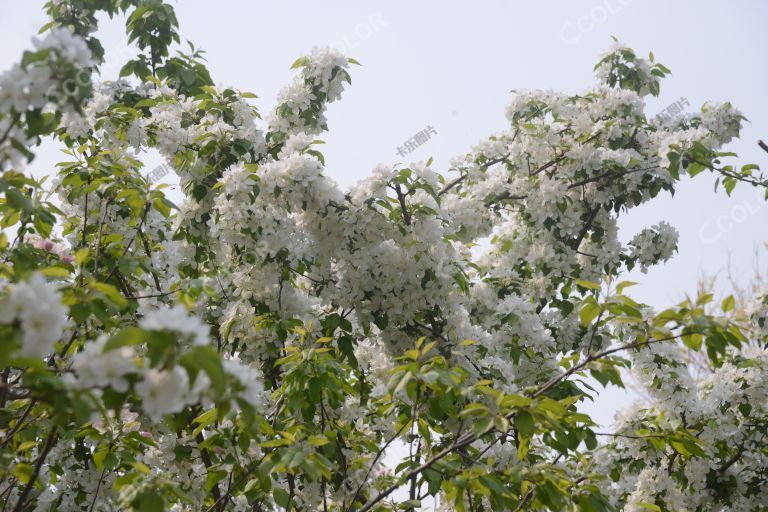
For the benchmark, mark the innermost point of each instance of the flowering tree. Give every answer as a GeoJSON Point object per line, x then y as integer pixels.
{"type": "Point", "coordinates": [261, 345]}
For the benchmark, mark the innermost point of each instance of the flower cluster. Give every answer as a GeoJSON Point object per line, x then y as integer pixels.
{"type": "Point", "coordinates": [54, 75]}
{"type": "Point", "coordinates": [654, 245]}
{"type": "Point", "coordinates": [107, 364]}
{"type": "Point", "coordinates": [728, 447]}
{"type": "Point", "coordinates": [301, 105]}
{"type": "Point", "coordinates": [36, 305]}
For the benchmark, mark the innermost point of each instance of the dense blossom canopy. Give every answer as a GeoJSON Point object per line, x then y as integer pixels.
{"type": "Point", "coordinates": [261, 345]}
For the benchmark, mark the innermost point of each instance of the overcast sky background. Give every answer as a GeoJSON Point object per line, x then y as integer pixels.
{"type": "Point", "coordinates": [452, 65]}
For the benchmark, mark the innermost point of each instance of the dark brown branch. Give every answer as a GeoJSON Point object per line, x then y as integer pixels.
{"type": "Point", "coordinates": [99, 236]}
{"type": "Point", "coordinates": [600, 355]}
{"type": "Point", "coordinates": [611, 175]}
{"type": "Point", "coordinates": [246, 473]}
{"type": "Point", "coordinates": [145, 243]}
{"type": "Point", "coordinates": [628, 436]}
{"type": "Point", "coordinates": [150, 295]}
{"type": "Point", "coordinates": [504, 196]}
{"type": "Point", "coordinates": [403, 206]}
{"type": "Point", "coordinates": [207, 462]}
{"type": "Point", "coordinates": [10, 127]}
{"type": "Point", "coordinates": [733, 460]}
{"type": "Point", "coordinates": [18, 423]}
{"type": "Point", "coordinates": [586, 227]}
{"type": "Point", "coordinates": [375, 460]}
{"type": "Point", "coordinates": [130, 242]}
{"type": "Point", "coordinates": [98, 488]}
{"type": "Point", "coordinates": [558, 158]}
{"type": "Point", "coordinates": [730, 174]}
{"type": "Point", "coordinates": [464, 176]}
{"type": "Point", "coordinates": [21, 503]}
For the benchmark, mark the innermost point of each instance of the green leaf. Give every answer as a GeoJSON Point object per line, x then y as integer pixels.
{"type": "Point", "coordinates": [301, 61]}
{"type": "Point", "coordinates": [516, 401]}
{"type": "Point", "coordinates": [80, 256]}
{"type": "Point", "coordinates": [141, 467]}
{"type": "Point", "coordinates": [99, 456]}
{"type": "Point", "coordinates": [111, 293]}
{"type": "Point", "coordinates": [589, 312]}
{"type": "Point", "coordinates": [281, 497]}
{"type": "Point", "coordinates": [474, 409]}
{"type": "Point", "coordinates": [206, 359]}
{"type": "Point", "coordinates": [213, 478]}
{"type": "Point", "coordinates": [126, 337]}
{"type": "Point", "coordinates": [149, 502]}
{"type": "Point", "coordinates": [55, 272]}
{"type": "Point", "coordinates": [205, 419]}
{"type": "Point", "coordinates": [624, 284]}
{"type": "Point", "coordinates": [692, 341]}
{"type": "Point", "coordinates": [18, 200]}
{"type": "Point", "coordinates": [680, 448]}
{"type": "Point", "coordinates": [482, 425]}
{"type": "Point", "coordinates": [316, 440]}
{"type": "Point", "coordinates": [587, 284]}
{"type": "Point", "coordinates": [747, 169]}
{"type": "Point", "coordinates": [26, 445]}
{"type": "Point", "coordinates": [23, 472]}
{"type": "Point", "coordinates": [524, 423]}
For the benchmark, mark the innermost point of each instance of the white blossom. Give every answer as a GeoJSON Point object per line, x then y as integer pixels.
{"type": "Point", "coordinates": [36, 304]}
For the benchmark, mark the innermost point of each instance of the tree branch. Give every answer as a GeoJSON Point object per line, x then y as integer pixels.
{"type": "Point", "coordinates": [403, 206]}
{"type": "Point", "coordinates": [464, 176]}
{"type": "Point", "coordinates": [21, 503]}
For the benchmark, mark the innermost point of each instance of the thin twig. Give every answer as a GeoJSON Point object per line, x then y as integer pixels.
{"type": "Point", "coordinates": [10, 127]}
{"type": "Point", "coordinates": [403, 206]}
{"type": "Point", "coordinates": [21, 503]}
{"type": "Point", "coordinates": [375, 460]}
{"type": "Point", "coordinates": [464, 176]}
{"type": "Point", "coordinates": [130, 243]}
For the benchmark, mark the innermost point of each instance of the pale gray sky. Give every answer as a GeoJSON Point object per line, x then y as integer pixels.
{"type": "Point", "coordinates": [452, 65]}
